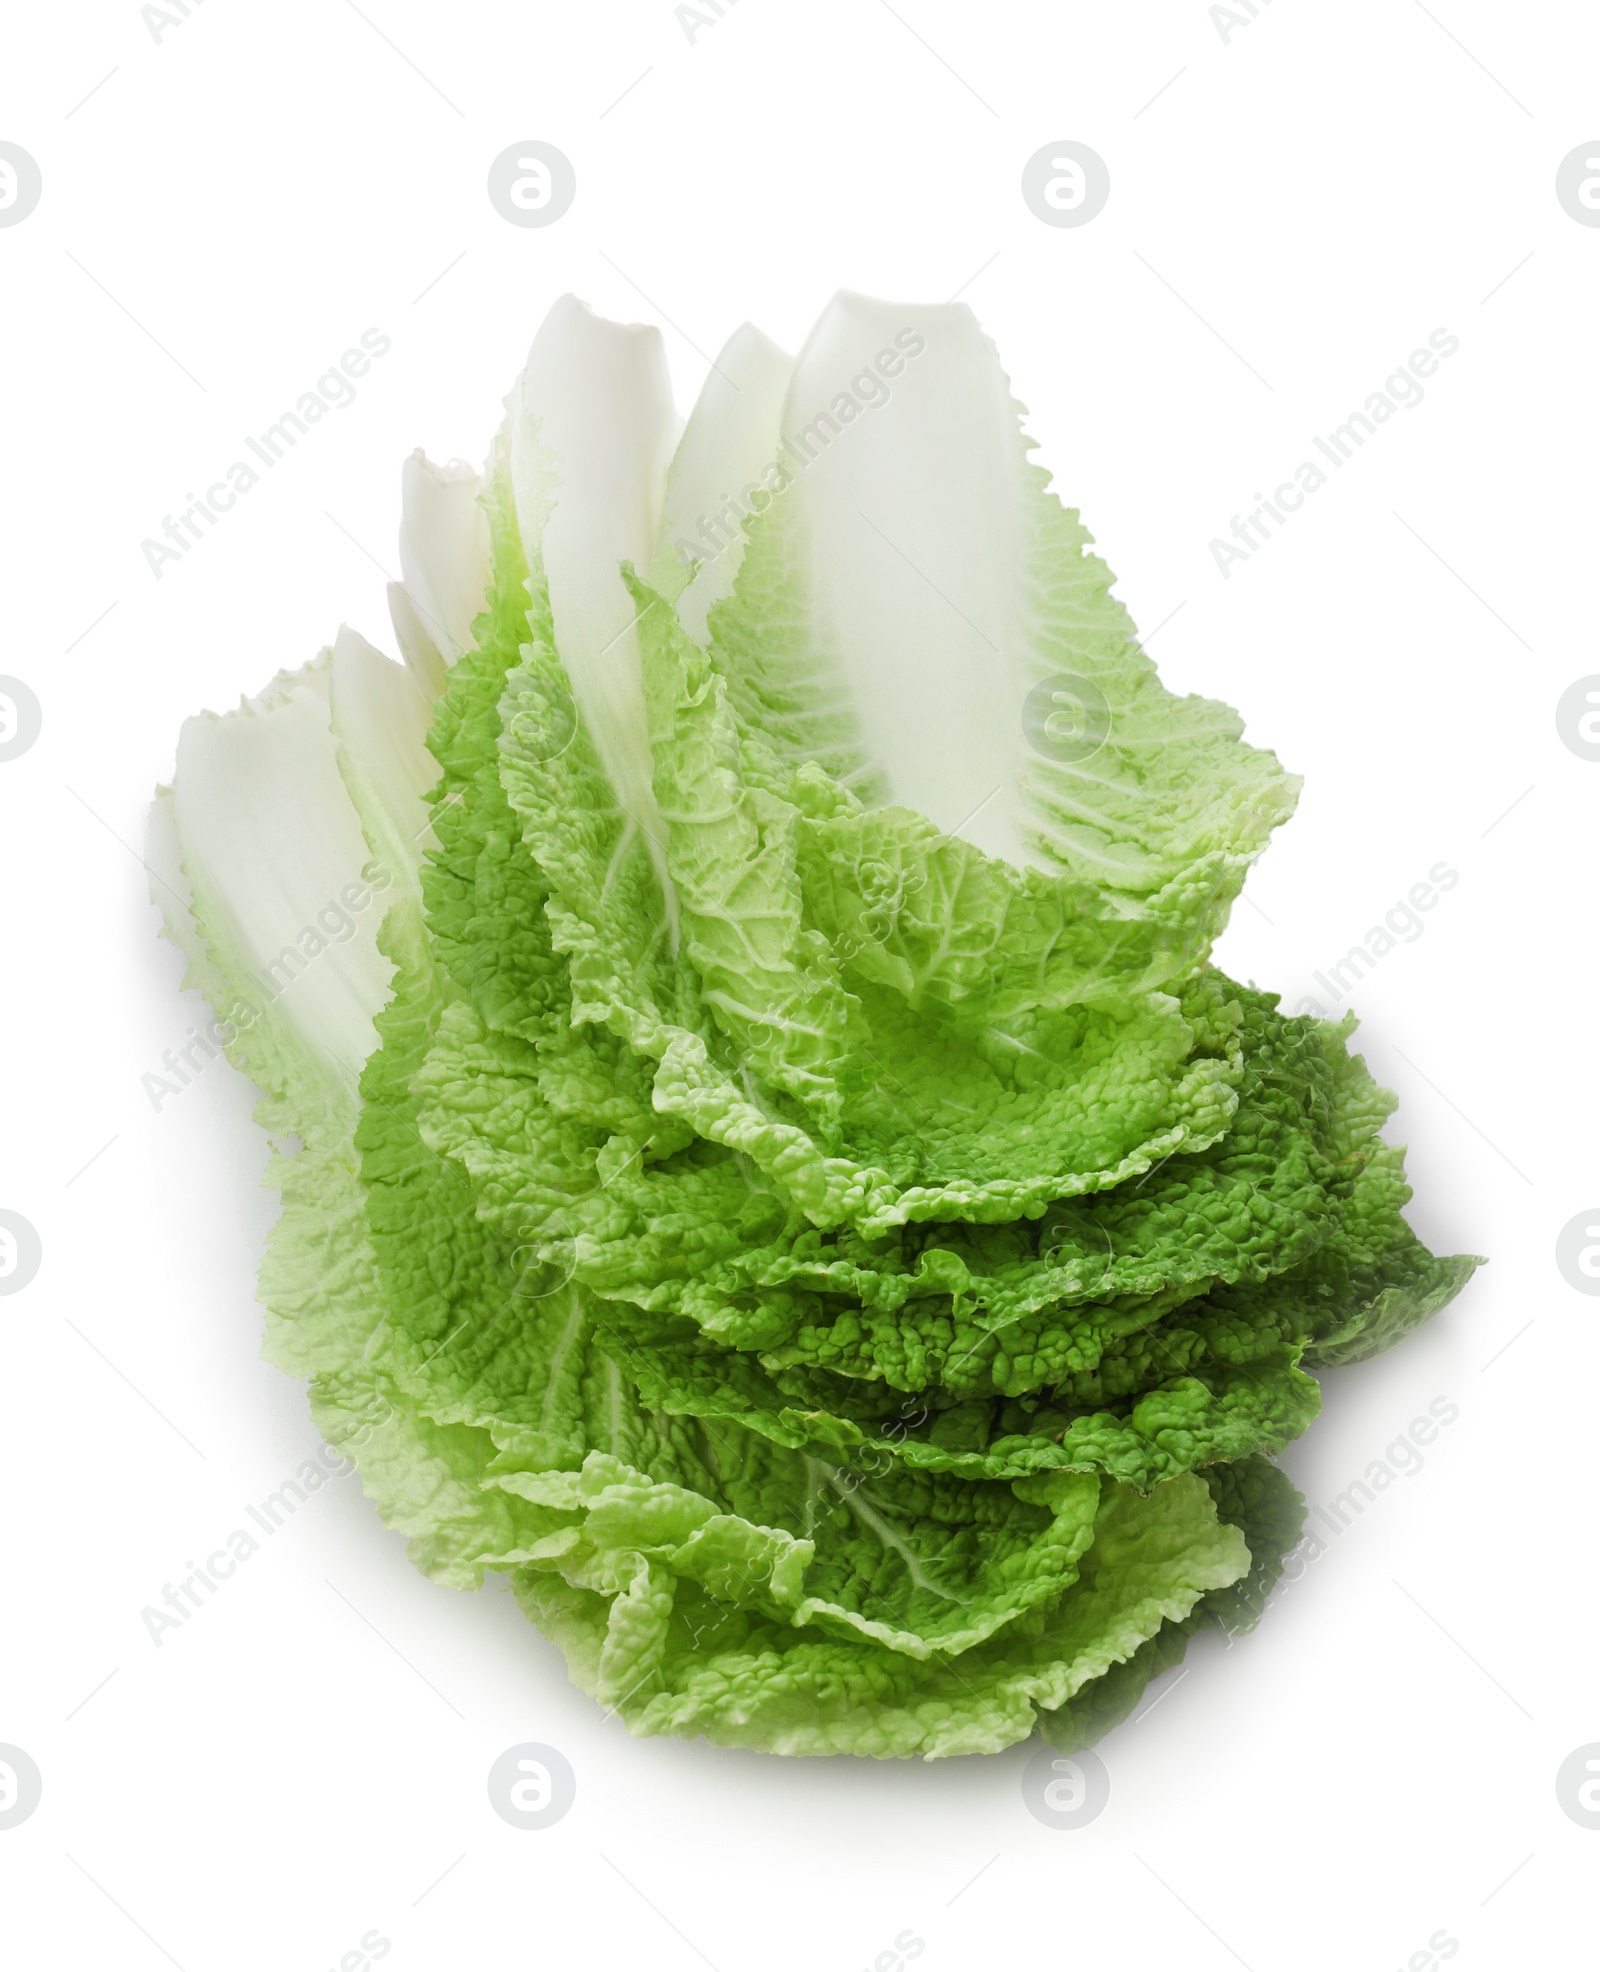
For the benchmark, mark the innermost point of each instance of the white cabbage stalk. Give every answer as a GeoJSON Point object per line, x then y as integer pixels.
{"type": "Point", "coordinates": [592, 425]}
{"type": "Point", "coordinates": [911, 615]}
{"type": "Point", "coordinates": [287, 822]}
{"type": "Point", "coordinates": [444, 566]}
{"type": "Point", "coordinates": [722, 473]}
{"type": "Point", "coordinates": [913, 537]}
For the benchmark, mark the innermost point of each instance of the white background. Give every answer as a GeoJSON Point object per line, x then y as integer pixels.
{"type": "Point", "coordinates": [1298, 209]}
